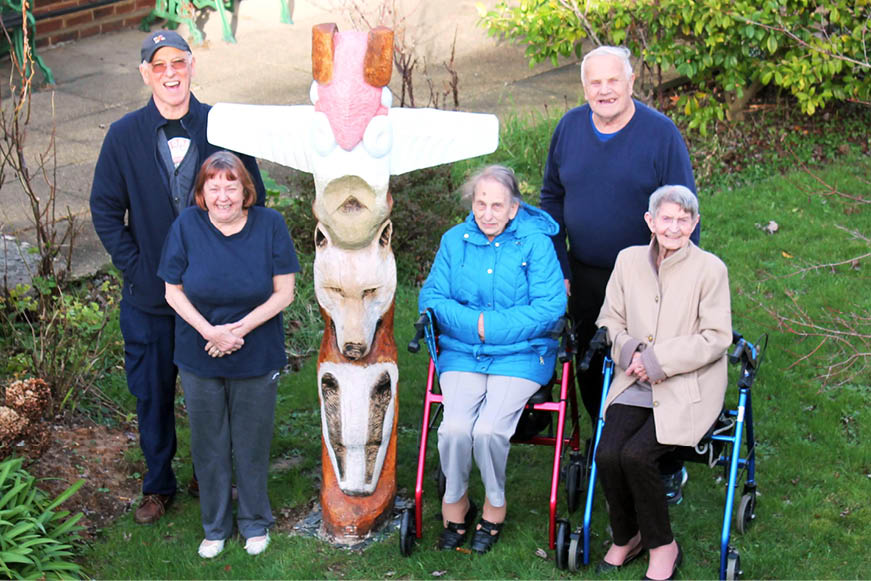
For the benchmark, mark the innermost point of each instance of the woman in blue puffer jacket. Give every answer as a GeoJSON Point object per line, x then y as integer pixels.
{"type": "Point", "coordinates": [497, 291]}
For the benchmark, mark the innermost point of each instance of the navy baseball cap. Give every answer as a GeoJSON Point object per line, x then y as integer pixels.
{"type": "Point", "coordinates": [159, 39]}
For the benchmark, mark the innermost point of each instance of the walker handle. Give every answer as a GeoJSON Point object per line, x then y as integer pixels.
{"type": "Point", "coordinates": [420, 329]}
{"type": "Point", "coordinates": [599, 342]}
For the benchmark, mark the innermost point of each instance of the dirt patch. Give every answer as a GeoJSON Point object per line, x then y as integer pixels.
{"type": "Point", "coordinates": [96, 454]}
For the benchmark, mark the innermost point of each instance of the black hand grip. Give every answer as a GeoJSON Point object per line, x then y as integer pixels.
{"type": "Point", "coordinates": [566, 340]}
{"type": "Point", "coordinates": [599, 342]}
{"type": "Point", "coordinates": [736, 353]}
{"type": "Point", "coordinates": [419, 326]}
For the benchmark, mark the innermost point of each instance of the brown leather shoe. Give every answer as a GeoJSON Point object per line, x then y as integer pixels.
{"type": "Point", "coordinates": [152, 508]}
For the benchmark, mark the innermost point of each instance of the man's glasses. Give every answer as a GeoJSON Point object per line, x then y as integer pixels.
{"type": "Point", "coordinates": [178, 65]}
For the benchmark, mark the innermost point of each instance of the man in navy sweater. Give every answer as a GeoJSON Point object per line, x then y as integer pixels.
{"type": "Point", "coordinates": [143, 178]}
{"type": "Point", "coordinates": [605, 159]}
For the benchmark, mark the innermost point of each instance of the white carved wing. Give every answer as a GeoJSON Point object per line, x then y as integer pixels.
{"type": "Point", "coordinates": [428, 137]}
{"type": "Point", "coordinates": [278, 133]}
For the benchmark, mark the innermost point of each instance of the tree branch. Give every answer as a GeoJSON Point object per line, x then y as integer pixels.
{"type": "Point", "coordinates": [572, 6]}
{"type": "Point", "coordinates": [804, 43]}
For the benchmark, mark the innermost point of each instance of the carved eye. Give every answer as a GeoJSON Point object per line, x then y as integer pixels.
{"type": "Point", "coordinates": [378, 137]}
{"type": "Point", "coordinates": [323, 139]}
{"type": "Point", "coordinates": [369, 292]}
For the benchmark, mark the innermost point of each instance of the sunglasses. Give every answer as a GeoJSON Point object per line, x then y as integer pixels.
{"type": "Point", "coordinates": [179, 64]}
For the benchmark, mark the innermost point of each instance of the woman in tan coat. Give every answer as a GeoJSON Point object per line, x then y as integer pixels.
{"type": "Point", "coordinates": [667, 310]}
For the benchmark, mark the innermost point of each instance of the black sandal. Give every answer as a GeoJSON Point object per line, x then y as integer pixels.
{"type": "Point", "coordinates": [486, 536]}
{"type": "Point", "coordinates": [451, 537]}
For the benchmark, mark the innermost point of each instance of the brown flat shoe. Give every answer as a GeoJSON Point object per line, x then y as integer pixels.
{"type": "Point", "coordinates": [152, 508]}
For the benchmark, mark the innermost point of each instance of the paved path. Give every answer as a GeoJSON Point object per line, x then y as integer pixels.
{"type": "Point", "coordinates": [98, 82]}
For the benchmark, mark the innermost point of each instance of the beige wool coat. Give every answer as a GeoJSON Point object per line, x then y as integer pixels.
{"type": "Point", "coordinates": [681, 320]}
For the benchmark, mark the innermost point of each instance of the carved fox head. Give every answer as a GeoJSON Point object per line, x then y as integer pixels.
{"type": "Point", "coordinates": [355, 287]}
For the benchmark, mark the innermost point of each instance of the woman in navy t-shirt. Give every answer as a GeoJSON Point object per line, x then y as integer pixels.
{"type": "Point", "coordinates": [229, 271]}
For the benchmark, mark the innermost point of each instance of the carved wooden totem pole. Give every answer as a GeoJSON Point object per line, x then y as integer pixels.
{"type": "Point", "coordinates": [352, 141]}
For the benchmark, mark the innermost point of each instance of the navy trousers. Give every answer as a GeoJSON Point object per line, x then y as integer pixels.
{"type": "Point", "coordinates": [149, 341]}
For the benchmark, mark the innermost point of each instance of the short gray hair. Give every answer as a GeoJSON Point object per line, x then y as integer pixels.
{"type": "Point", "coordinates": [620, 52]}
{"type": "Point", "coordinates": [498, 173]}
{"type": "Point", "coordinates": [680, 195]}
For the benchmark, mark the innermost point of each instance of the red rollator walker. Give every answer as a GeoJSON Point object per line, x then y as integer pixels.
{"type": "Point", "coordinates": [536, 418]}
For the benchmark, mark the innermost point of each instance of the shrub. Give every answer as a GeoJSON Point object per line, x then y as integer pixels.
{"type": "Point", "coordinates": [35, 540]}
{"type": "Point", "coordinates": [728, 49]}
{"type": "Point", "coordinates": [425, 205]}
{"type": "Point", "coordinates": [58, 335]}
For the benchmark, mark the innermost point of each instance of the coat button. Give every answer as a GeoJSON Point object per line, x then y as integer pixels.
{"type": "Point", "coordinates": [465, 235]}
{"type": "Point", "coordinates": [489, 271]}
{"type": "Point", "coordinates": [497, 245]}
{"type": "Point", "coordinates": [656, 299]}
{"type": "Point", "coordinates": [656, 404]}
{"type": "Point", "coordinates": [650, 338]}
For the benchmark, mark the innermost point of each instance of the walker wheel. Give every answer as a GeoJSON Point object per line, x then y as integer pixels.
{"type": "Point", "coordinates": [576, 552]}
{"type": "Point", "coordinates": [746, 512]}
{"type": "Point", "coordinates": [574, 484]}
{"type": "Point", "coordinates": [562, 543]}
{"type": "Point", "coordinates": [407, 532]}
{"type": "Point", "coordinates": [733, 566]}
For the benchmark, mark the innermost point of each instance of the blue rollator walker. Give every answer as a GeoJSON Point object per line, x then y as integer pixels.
{"type": "Point", "coordinates": [722, 445]}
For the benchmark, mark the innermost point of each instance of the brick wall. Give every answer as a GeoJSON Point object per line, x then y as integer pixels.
{"type": "Point", "coordinates": [82, 21]}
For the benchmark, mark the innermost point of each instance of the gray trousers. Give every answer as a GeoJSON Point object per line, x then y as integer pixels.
{"type": "Point", "coordinates": [480, 415]}
{"type": "Point", "coordinates": [231, 420]}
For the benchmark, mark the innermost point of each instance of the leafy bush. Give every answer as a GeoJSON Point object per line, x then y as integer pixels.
{"type": "Point", "coordinates": [728, 49]}
{"type": "Point", "coordinates": [36, 542]}
{"type": "Point", "coordinates": [425, 205]}
{"type": "Point", "coordinates": [58, 334]}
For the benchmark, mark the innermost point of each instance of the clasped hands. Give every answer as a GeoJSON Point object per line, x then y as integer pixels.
{"type": "Point", "coordinates": [636, 368]}
{"type": "Point", "coordinates": [224, 339]}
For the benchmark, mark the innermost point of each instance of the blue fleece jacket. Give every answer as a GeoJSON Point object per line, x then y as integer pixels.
{"type": "Point", "coordinates": [597, 191]}
{"type": "Point", "coordinates": [131, 204]}
{"type": "Point", "coordinates": [515, 280]}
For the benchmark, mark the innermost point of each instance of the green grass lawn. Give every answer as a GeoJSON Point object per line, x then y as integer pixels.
{"type": "Point", "coordinates": [813, 470]}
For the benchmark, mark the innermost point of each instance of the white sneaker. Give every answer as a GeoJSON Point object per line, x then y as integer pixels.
{"type": "Point", "coordinates": [256, 545]}
{"type": "Point", "coordinates": [210, 549]}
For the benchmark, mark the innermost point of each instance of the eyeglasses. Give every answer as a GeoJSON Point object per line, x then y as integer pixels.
{"type": "Point", "coordinates": [179, 64]}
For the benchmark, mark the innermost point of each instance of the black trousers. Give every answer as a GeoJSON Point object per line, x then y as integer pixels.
{"type": "Point", "coordinates": [585, 302]}
{"type": "Point", "coordinates": [627, 458]}
{"type": "Point", "coordinates": [588, 294]}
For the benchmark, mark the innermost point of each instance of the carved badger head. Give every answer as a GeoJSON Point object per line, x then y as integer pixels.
{"type": "Point", "coordinates": [357, 408]}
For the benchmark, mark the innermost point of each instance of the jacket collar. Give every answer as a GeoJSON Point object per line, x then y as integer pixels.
{"type": "Point", "coordinates": [673, 260]}
{"type": "Point", "coordinates": [192, 120]}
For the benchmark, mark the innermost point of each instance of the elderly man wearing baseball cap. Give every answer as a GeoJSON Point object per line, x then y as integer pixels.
{"type": "Point", "coordinates": [143, 179]}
